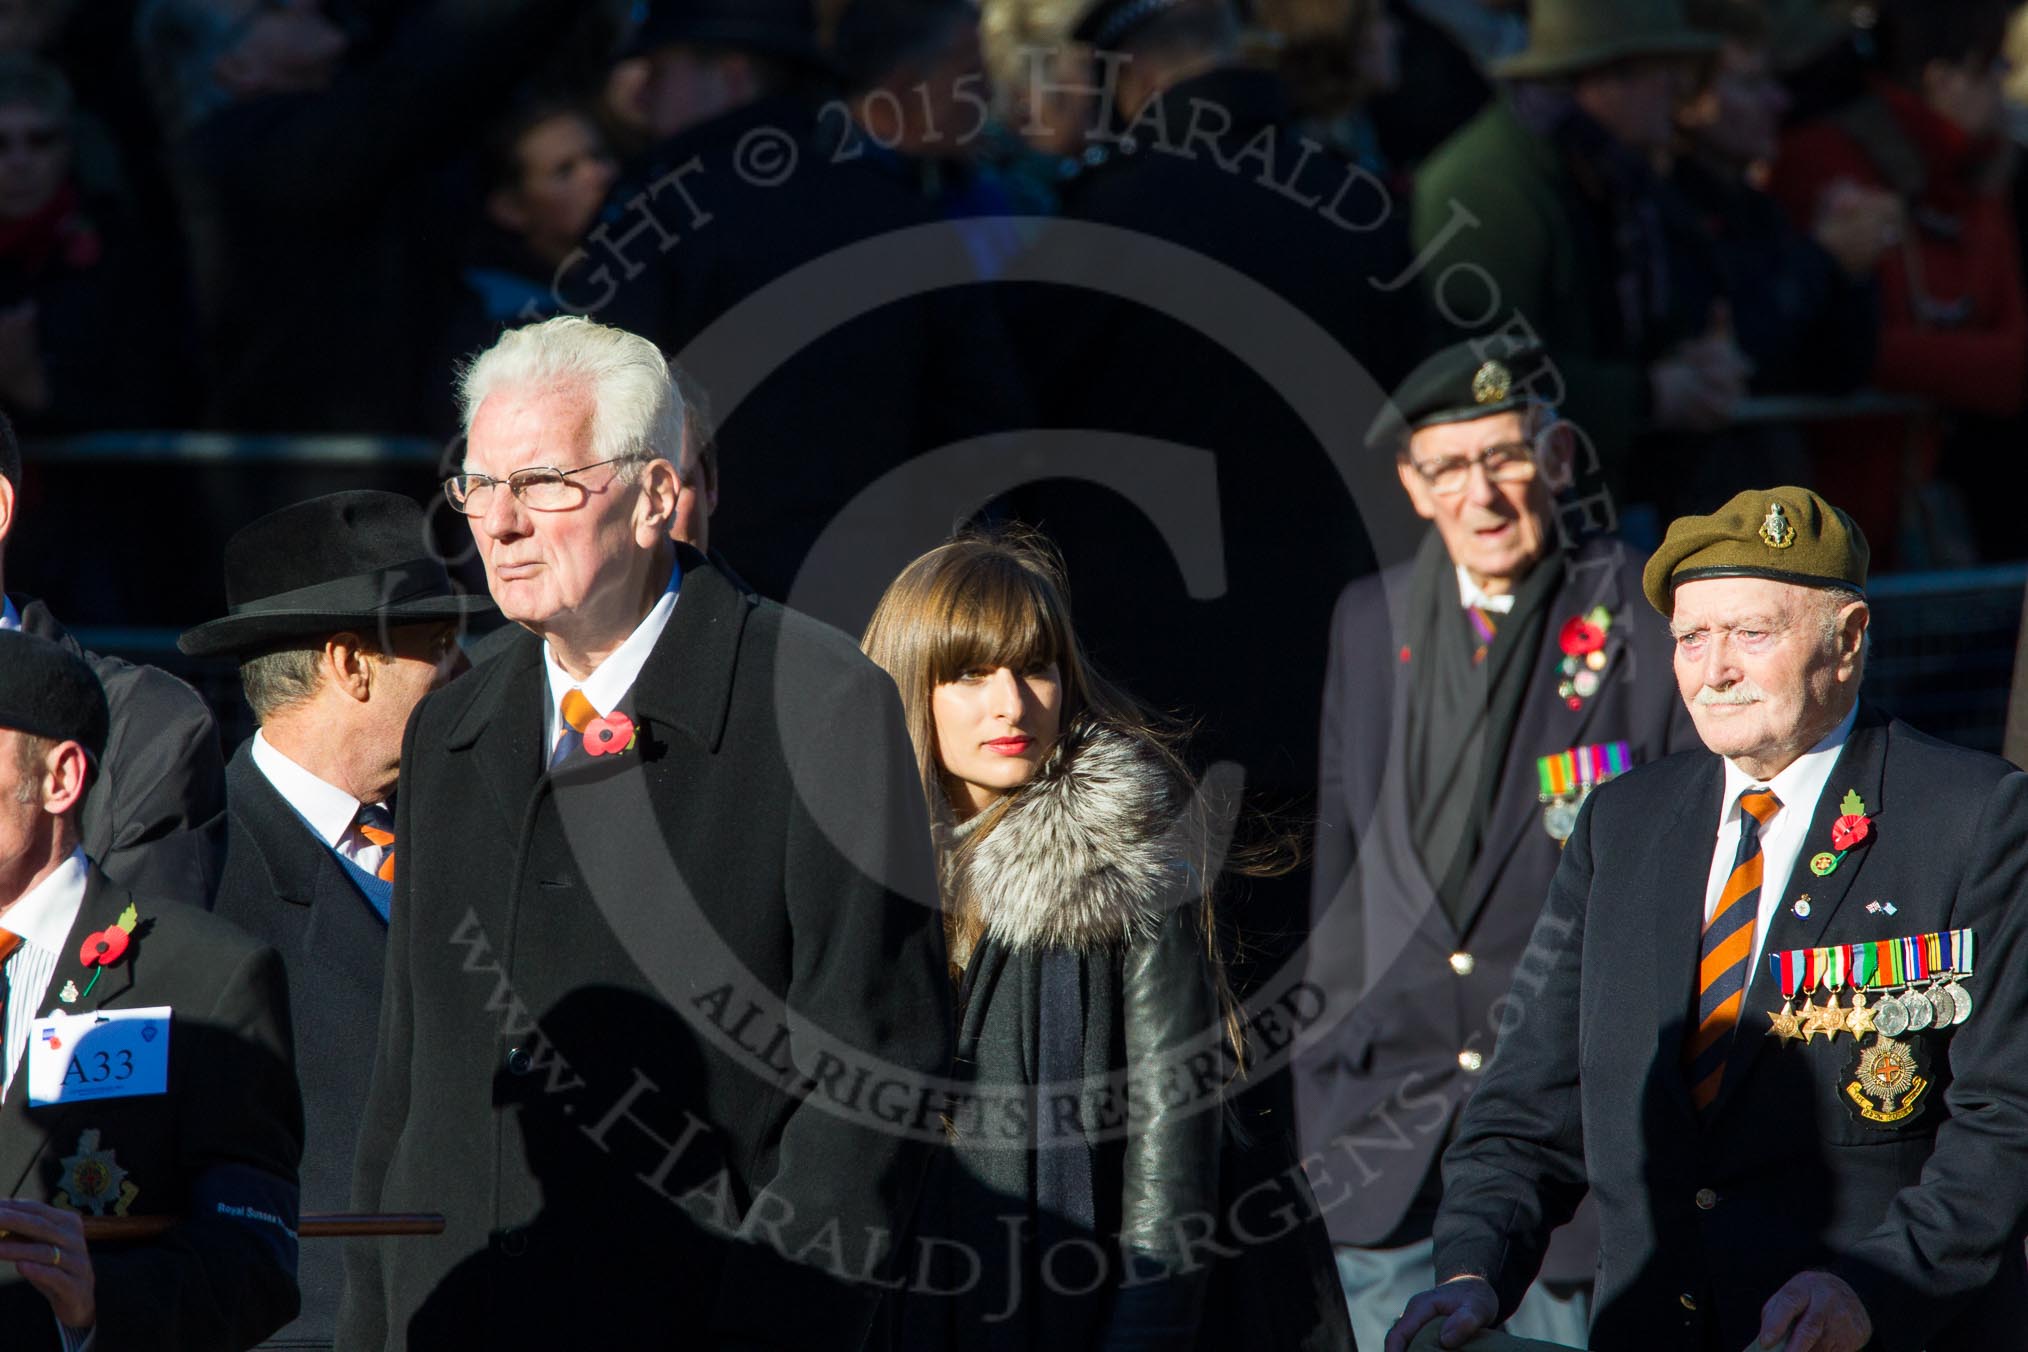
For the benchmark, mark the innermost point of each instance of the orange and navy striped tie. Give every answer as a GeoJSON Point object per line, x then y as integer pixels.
{"type": "Point", "coordinates": [373, 825]}
{"type": "Point", "coordinates": [1728, 950]}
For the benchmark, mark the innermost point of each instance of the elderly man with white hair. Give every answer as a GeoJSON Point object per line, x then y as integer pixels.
{"type": "Point", "coordinates": [1774, 1014]}
{"type": "Point", "coordinates": [666, 997]}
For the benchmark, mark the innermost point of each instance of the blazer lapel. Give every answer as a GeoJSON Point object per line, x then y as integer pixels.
{"type": "Point", "coordinates": [1547, 725]}
{"type": "Point", "coordinates": [1861, 765]}
{"type": "Point", "coordinates": [23, 1139]}
{"type": "Point", "coordinates": [1681, 866]}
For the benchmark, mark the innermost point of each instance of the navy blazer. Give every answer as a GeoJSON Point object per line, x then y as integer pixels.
{"type": "Point", "coordinates": [1700, 1223]}
{"type": "Point", "coordinates": [1379, 1095]}
{"type": "Point", "coordinates": [285, 887]}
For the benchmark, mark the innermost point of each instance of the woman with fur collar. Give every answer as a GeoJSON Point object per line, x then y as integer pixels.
{"type": "Point", "coordinates": [1095, 1029]}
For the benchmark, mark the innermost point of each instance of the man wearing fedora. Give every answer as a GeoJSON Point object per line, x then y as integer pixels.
{"type": "Point", "coordinates": [666, 1004]}
{"type": "Point", "coordinates": [1549, 200]}
{"type": "Point", "coordinates": [705, 220]}
{"type": "Point", "coordinates": [154, 815]}
{"type": "Point", "coordinates": [146, 1073]}
{"type": "Point", "coordinates": [1775, 1027]}
{"type": "Point", "coordinates": [342, 619]}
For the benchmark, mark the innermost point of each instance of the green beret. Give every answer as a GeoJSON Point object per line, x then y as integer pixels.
{"type": "Point", "coordinates": [1787, 534]}
{"type": "Point", "coordinates": [1461, 383]}
{"type": "Point", "coordinates": [46, 690]}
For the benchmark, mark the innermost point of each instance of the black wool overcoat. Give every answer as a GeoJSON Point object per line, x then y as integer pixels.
{"type": "Point", "coordinates": [658, 1022]}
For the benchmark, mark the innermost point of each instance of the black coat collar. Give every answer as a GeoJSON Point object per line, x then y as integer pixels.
{"type": "Point", "coordinates": [685, 687]}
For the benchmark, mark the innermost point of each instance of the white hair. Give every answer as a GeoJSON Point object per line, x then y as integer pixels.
{"type": "Point", "coordinates": [638, 411]}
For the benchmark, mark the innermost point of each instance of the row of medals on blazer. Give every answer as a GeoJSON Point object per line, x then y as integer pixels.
{"type": "Point", "coordinates": [1939, 1002]}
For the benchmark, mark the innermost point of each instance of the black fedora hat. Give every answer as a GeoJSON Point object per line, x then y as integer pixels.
{"type": "Point", "coordinates": [780, 28]}
{"type": "Point", "coordinates": [347, 560]}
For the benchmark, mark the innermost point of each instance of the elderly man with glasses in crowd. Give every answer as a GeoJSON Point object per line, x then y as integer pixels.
{"type": "Point", "coordinates": [1475, 695]}
{"type": "Point", "coordinates": [666, 991]}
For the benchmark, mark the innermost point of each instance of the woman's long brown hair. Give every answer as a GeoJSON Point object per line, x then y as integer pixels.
{"type": "Point", "coordinates": [999, 599]}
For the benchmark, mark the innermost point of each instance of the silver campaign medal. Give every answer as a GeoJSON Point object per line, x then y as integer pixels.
{"type": "Point", "coordinates": [1890, 1016]}
{"type": "Point", "coordinates": [1920, 1012]}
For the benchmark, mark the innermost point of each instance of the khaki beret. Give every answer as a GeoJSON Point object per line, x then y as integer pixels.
{"type": "Point", "coordinates": [1786, 534]}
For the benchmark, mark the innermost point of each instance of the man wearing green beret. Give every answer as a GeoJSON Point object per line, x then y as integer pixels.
{"type": "Point", "coordinates": [1775, 1034]}
{"type": "Point", "coordinates": [1475, 694]}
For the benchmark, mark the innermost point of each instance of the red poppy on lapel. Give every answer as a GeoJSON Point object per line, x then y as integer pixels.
{"type": "Point", "coordinates": [1854, 826]}
{"type": "Point", "coordinates": [108, 946]}
{"type": "Point", "coordinates": [1580, 636]}
{"type": "Point", "coordinates": [609, 736]}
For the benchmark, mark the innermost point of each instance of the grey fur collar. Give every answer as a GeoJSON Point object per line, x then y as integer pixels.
{"type": "Point", "coordinates": [1084, 855]}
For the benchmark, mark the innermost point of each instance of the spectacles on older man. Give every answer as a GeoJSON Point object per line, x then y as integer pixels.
{"type": "Point", "coordinates": [1510, 462]}
{"type": "Point", "coordinates": [541, 488]}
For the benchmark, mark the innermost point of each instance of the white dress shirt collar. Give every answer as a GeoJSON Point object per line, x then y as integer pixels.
{"type": "Point", "coordinates": [1783, 840]}
{"type": "Point", "coordinates": [44, 914]}
{"type": "Point", "coordinates": [1471, 594]}
{"type": "Point", "coordinates": [328, 809]}
{"type": "Point", "coordinates": [10, 618]}
{"type": "Point", "coordinates": [615, 676]}
{"type": "Point", "coordinates": [1801, 784]}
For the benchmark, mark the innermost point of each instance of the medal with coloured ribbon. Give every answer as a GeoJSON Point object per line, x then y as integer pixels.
{"type": "Point", "coordinates": [1568, 776]}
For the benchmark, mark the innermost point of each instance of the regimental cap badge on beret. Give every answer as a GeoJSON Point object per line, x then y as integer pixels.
{"type": "Point", "coordinates": [1782, 534]}
{"type": "Point", "coordinates": [1491, 383]}
{"type": "Point", "coordinates": [1776, 530]}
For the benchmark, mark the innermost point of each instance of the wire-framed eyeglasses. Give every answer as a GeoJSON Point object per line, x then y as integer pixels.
{"type": "Point", "coordinates": [1509, 462]}
{"type": "Point", "coordinates": [542, 488]}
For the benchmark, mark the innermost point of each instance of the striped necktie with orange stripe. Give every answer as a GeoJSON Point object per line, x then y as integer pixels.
{"type": "Point", "coordinates": [1728, 951]}
{"type": "Point", "coordinates": [375, 824]}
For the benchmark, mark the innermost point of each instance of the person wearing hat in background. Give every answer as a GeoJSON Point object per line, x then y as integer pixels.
{"type": "Point", "coordinates": [1475, 696]}
{"type": "Point", "coordinates": [1775, 1023]}
{"type": "Point", "coordinates": [154, 815]}
{"type": "Point", "coordinates": [342, 619]}
{"type": "Point", "coordinates": [731, 84]}
{"type": "Point", "coordinates": [1549, 199]}
{"type": "Point", "coordinates": [148, 1069]}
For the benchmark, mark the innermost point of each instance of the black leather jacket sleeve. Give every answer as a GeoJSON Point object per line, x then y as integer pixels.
{"type": "Point", "coordinates": [1177, 1067]}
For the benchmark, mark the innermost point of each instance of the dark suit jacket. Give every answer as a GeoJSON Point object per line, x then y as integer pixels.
{"type": "Point", "coordinates": [584, 1061]}
{"type": "Point", "coordinates": [154, 816]}
{"type": "Point", "coordinates": [1388, 1079]}
{"type": "Point", "coordinates": [1700, 1226]}
{"type": "Point", "coordinates": [286, 889]}
{"type": "Point", "coordinates": [228, 1133]}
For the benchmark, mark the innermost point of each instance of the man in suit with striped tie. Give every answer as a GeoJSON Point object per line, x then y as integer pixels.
{"type": "Point", "coordinates": [1769, 1020]}
{"type": "Point", "coordinates": [343, 618]}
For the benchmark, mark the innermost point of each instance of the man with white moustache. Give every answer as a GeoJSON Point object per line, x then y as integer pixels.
{"type": "Point", "coordinates": [1774, 1036]}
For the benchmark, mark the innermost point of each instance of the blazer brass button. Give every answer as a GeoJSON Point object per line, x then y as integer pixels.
{"type": "Point", "coordinates": [1706, 1199]}
{"type": "Point", "coordinates": [514, 1242]}
{"type": "Point", "coordinates": [1463, 963]}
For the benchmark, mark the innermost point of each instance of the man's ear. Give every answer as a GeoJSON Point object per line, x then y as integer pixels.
{"type": "Point", "coordinates": [655, 505]}
{"type": "Point", "coordinates": [66, 774]}
{"type": "Point", "coordinates": [6, 508]}
{"type": "Point", "coordinates": [347, 665]}
{"type": "Point", "coordinates": [1853, 620]}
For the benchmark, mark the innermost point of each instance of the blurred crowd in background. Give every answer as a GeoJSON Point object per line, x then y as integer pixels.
{"type": "Point", "coordinates": [293, 216]}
